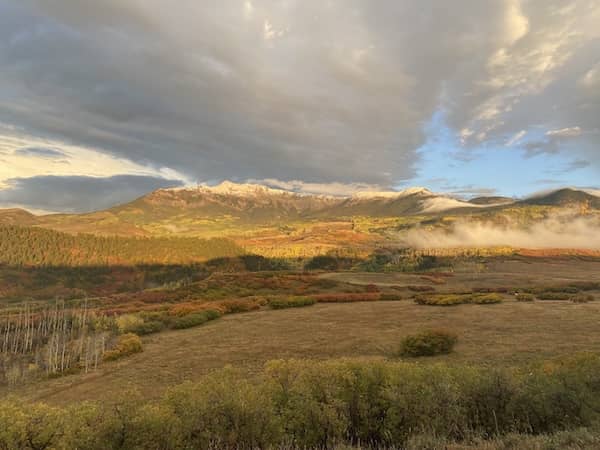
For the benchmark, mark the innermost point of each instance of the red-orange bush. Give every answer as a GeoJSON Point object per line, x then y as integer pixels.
{"type": "Point", "coordinates": [182, 309]}
{"type": "Point", "coordinates": [371, 288]}
{"type": "Point", "coordinates": [237, 306]}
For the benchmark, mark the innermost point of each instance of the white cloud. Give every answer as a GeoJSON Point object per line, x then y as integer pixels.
{"type": "Point", "coordinates": [27, 157]}
{"type": "Point", "coordinates": [592, 77]}
{"type": "Point", "coordinates": [517, 25]}
{"type": "Point", "coordinates": [516, 138]}
{"type": "Point", "coordinates": [248, 9]}
{"type": "Point", "coordinates": [270, 33]}
{"type": "Point", "coordinates": [565, 132]}
{"type": "Point", "coordinates": [333, 189]}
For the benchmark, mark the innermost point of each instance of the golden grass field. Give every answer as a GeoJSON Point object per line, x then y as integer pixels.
{"type": "Point", "coordinates": [505, 334]}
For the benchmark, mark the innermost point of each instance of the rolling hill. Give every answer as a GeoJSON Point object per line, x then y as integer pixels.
{"type": "Point", "coordinates": [567, 197]}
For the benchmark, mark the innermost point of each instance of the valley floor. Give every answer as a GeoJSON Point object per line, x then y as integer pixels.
{"type": "Point", "coordinates": [509, 273]}
{"type": "Point", "coordinates": [510, 333]}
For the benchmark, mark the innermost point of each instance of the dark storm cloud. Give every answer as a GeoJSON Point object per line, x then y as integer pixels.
{"type": "Point", "coordinates": [78, 194]}
{"type": "Point", "coordinates": [297, 90]}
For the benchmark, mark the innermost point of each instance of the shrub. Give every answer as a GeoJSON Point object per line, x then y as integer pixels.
{"type": "Point", "coordinates": [390, 297]}
{"type": "Point", "coordinates": [239, 306]}
{"type": "Point", "coordinates": [290, 302]}
{"type": "Point", "coordinates": [322, 262]}
{"type": "Point", "coordinates": [428, 343]}
{"type": "Point", "coordinates": [325, 283]}
{"type": "Point", "coordinates": [127, 322]}
{"type": "Point", "coordinates": [420, 288]}
{"type": "Point", "coordinates": [195, 319]}
{"type": "Point", "coordinates": [582, 298]}
{"type": "Point", "coordinates": [458, 299]}
{"type": "Point", "coordinates": [485, 299]}
{"type": "Point", "coordinates": [24, 426]}
{"type": "Point", "coordinates": [524, 297]}
{"type": "Point", "coordinates": [554, 295]}
{"type": "Point", "coordinates": [347, 297]}
{"type": "Point", "coordinates": [150, 327]}
{"type": "Point", "coordinates": [586, 285]}
{"type": "Point", "coordinates": [335, 404]}
{"type": "Point", "coordinates": [371, 288]}
{"type": "Point", "coordinates": [441, 300]}
{"type": "Point", "coordinates": [128, 344]}
{"type": "Point", "coordinates": [225, 412]}
{"type": "Point", "coordinates": [183, 309]}
{"type": "Point", "coordinates": [489, 290]}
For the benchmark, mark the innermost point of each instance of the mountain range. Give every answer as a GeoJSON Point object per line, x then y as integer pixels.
{"type": "Point", "coordinates": [208, 210]}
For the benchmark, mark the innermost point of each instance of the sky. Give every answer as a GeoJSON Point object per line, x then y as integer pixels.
{"type": "Point", "coordinates": [103, 101]}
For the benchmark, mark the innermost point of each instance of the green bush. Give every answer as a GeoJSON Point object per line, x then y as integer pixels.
{"type": "Point", "coordinates": [554, 295]}
{"type": "Point", "coordinates": [322, 262]}
{"type": "Point", "coordinates": [127, 322]}
{"type": "Point", "coordinates": [524, 297]}
{"type": "Point", "coordinates": [225, 411]}
{"type": "Point", "coordinates": [290, 302]}
{"type": "Point", "coordinates": [150, 327]}
{"type": "Point", "coordinates": [335, 404]}
{"type": "Point", "coordinates": [391, 297]}
{"type": "Point", "coordinates": [194, 319]}
{"type": "Point", "coordinates": [441, 299]}
{"type": "Point", "coordinates": [485, 299]}
{"type": "Point", "coordinates": [428, 343]}
{"type": "Point", "coordinates": [127, 344]}
{"type": "Point", "coordinates": [457, 299]}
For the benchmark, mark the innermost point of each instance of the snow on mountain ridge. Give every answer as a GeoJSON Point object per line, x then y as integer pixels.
{"type": "Point", "coordinates": [250, 189]}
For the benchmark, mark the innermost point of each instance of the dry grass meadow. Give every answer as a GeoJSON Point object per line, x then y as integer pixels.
{"type": "Point", "coordinates": [510, 333]}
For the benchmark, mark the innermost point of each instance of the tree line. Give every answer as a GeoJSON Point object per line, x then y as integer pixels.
{"type": "Point", "coordinates": [33, 246]}
{"type": "Point", "coordinates": [50, 339]}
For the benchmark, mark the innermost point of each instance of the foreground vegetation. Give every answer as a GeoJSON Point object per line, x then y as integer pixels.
{"type": "Point", "coordinates": [307, 404]}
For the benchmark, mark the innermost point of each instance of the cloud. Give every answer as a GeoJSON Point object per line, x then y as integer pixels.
{"type": "Point", "coordinates": [324, 92]}
{"type": "Point", "coordinates": [27, 158]}
{"type": "Point", "coordinates": [516, 138]}
{"type": "Point", "coordinates": [77, 193]}
{"type": "Point", "coordinates": [39, 152]}
{"type": "Point", "coordinates": [578, 164]}
{"type": "Point", "coordinates": [334, 189]}
{"type": "Point", "coordinates": [560, 231]}
{"type": "Point", "coordinates": [591, 78]}
{"type": "Point", "coordinates": [565, 132]}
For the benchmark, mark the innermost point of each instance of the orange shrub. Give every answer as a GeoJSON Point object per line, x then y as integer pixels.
{"type": "Point", "coordinates": [182, 309]}
{"type": "Point", "coordinates": [237, 306]}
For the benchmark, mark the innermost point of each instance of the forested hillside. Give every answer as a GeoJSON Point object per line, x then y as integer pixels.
{"type": "Point", "coordinates": [40, 247]}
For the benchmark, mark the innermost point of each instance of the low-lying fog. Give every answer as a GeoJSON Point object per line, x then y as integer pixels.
{"type": "Point", "coordinates": [560, 231]}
